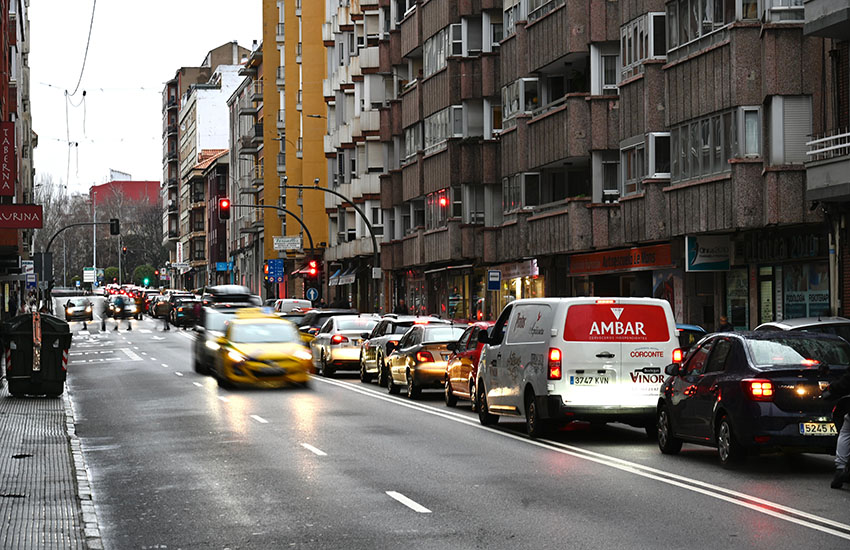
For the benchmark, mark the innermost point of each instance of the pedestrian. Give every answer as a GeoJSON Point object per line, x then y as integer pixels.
{"type": "Point", "coordinates": [13, 303]}
{"type": "Point", "coordinates": [841, 389]}
{"type": "Point", "coordinates": [165, 308]}
{"type": "Point", "coordinates": [119, 310]}
{"type": "Point", "coordinates": [725, 325]}
{"type": "Point", "coordinates": [401, 308]}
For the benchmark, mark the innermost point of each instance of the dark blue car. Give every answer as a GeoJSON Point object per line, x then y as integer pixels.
{"type": "Point", "coordinates": [752, 392]}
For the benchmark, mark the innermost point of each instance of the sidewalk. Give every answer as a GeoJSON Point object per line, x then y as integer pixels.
{"type": "Point", "coordinates": [45, 496]}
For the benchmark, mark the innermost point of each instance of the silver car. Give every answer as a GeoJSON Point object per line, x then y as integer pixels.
{"type": "Point", "coordinates": [825, 325]}
{"type": "Point", "coordinates": [337, 344]}
{"type": "Point", "coordinates": [78, 309]}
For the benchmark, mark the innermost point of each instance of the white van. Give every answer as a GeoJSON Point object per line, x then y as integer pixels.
{"type": "Point", "coordinates": [563, 359]}
{"type": "Point", "coordinates": [287, 305]}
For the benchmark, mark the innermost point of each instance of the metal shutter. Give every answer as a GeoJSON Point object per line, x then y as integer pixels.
{"type": "Point", "coordinates": [797, 126]}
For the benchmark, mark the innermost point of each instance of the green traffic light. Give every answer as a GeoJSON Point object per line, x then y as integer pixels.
{"type": "Point", "coordinates": [147, 281]}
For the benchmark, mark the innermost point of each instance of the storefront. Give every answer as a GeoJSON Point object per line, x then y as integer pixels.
{"type": "Point", "coordinates": [518, 280]}
{"type": "Point", "coordinates": [456, 292]}
{"type": "Point", "coordinates": [645, 271]}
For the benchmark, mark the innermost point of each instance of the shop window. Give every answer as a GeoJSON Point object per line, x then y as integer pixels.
{"type": "Point", "coordinates": [805, 289]}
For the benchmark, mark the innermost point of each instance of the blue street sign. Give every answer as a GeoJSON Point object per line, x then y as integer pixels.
{"type": "Point", "coordinates": [312, 294]}
{"type": "Point", "coordinates": [276, 270]}
{"type": "Point", "coordinates": [224, 266]}
{"type": "Point", "coordinates": [494, 280]}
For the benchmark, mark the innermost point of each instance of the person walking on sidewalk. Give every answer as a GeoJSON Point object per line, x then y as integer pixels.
{"type": "Point", "coordinates": [841, 389]}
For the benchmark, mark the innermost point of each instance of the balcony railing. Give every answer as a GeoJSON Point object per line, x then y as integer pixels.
{"type": "Point", "coordinates": [829, 146]}
{"type": "Point", "coordinates": [543, 8]}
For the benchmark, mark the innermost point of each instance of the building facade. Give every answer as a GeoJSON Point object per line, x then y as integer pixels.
{"type": "Point", "coordinates": [573, 147]}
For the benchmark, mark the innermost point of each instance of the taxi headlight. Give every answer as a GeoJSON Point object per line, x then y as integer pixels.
{"type": "Point", "coordinates": [213, 345]}
{"type": "Point", "coordinates": [69, 310]}
{"type": "Point", "coordinates": [236, 356]}
{"type": "Point", "coordinates": [133, 308]}
{"type": "Point", "coordinates": [303, 354]}
{"type": "Point", "coordinates": [88, 309]}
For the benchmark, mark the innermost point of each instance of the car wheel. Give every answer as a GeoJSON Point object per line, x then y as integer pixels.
{"type": "Point", "coordinates": [667, 442]}
{"type": "Point", "coordinates": [197, 366]}
{"type": "Point", "coordinates": [484, 415]}
{"type": "Point", "coordinates": [728, 447]}
{"type": "Point", "coordinates": [472, 402]}
{"type": "Point", "coordinates": [413, 390]}
{"type": "Point", "coordinates": [365, 377]}
{"type": "Point", "coordinates": [382, 372]}
{"type": "Point", "coordinates": [392, 388]}
{"type": "Point", "coordinates": [325, 369]}
{"type": "Point", "coordinates": [535, 425]}
{"type": "Point", "coordinates": [451, 398]}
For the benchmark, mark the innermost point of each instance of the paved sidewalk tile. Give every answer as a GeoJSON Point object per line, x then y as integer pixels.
{"type": "Point", "coordinates": [41, 474]}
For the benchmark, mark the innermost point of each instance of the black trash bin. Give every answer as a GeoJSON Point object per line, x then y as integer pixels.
{"type": "Point", "coordinates": [22, 375]}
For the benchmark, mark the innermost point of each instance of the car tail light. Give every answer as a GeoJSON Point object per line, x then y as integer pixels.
{"type": "Point", "coordinates": [554, 364]}
{"type": "Point", "coordinates": [338, 339]}
{"type": "Point", "coordinates": [677, 355]}
{"type": "Point", "coordinates": [758, 390]}
{"type": "Point", "coordinates": [424, 357]}
{"type": "Point", "coordinates": [179, 309]}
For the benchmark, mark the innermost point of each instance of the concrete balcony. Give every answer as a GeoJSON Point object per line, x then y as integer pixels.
{"type": "Point", "coordinates": [370, 59]}
{"type": "Point", "coordinates": [828, 168]}
{"type": "Point", "coordinates": [370, 122]}
{"type": "Point", "coordinates": [559, 131]}
{"type": "Point", "coordinates": [412, 249]}
{"type": "Point", "coordinates": [411, 177]}
{"type": "Point", "coordinates": [443, 244]}
{"type": "Point", "coordinates": [391, 189]}
{"type": "Point", "coordinates": [351, 249]}
{"type": "Point", "coordinates": [392, 255]}
{"type": "Point", "coordinates": [281, 77]}
{"type": "Point", "coordinates": [560, 228]}
{"type": "Point", "coordinates": [411, 33]}
{"type": "Point", "coordinates": [827, 18]}
{"type": "Point", "coordinates": [564, 19]}
{"type": "Point", "coordinates": [365, 184]}
{"type": "Point", "coordinates": [411, 105]}
{"type": "Point", "coordinates": [256, 91]}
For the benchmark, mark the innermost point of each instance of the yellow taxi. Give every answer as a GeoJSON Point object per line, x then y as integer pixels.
{"type": "Point", "coordinates": [260, 349]}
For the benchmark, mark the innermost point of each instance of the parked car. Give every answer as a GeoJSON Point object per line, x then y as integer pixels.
{"type": "Point", "coordinates": [261, 350]}
{"type": "Point", "coordinates": [315, 318]}
{"type": "Point", "coordinates": [337, 344]}
{"type": "Point", "coordinates": [555, 360]}
{"type": "Point", "coordinates": [419, 360]}
{"type": "Point", "coordinates": [462, 367]}
{"type": "Point", "coordinates": [827, 325]}
{"type": "Point", "coordinates": [374, 350]}
{"type": "Point", "coordinates": [689, 335]}
{"type": "Point", "coordinates": [183, 312]}
{"type": "Point", "coordinates": [78, 309]}
{"type": "Point", "coordinates": [209, 329]}
{"type": "Point", "coordinates": [752, 392]}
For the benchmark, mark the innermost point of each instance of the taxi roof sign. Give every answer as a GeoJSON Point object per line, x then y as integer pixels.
{"type": "Point", "coordinates": [255, 313]}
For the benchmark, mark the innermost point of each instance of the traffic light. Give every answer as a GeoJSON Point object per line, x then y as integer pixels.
{"type": "Point", "coordinates": [124, 250]}
{"type": "Point", "coordinates": [266, 271]}
{"type": "Point", "coordinates": [114, 226]}
{"type": "Point", "coordinates": [146, 281]}
{"type": "Point", "coordinates": [156, 272]}
{"type": "Point", "coordinates": [312, 268]}
{"type": "Point", "coordinates": [224, 208]}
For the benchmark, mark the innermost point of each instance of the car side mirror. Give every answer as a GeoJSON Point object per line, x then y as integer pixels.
{"type": "Point", "coordinates": [364, 335]}
{"type": "Point", "coordinates": [672, 369]}
{"type": "Point", "coordinates": [451, 346]}
{"type": "Point", "coordinates": [483, 337]}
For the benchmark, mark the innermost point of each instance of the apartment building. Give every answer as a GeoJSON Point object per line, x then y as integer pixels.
{"type": "Point", "coordinates": [574, 147]}
{"type": "Point", "coordinates": [828, 154]}
{"type": "Point", "coordinates": [173, 94]}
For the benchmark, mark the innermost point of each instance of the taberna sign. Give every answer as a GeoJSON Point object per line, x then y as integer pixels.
{"type": "Point", "coordinates": [21, 216]}
{"type": "Point", "coordinates": [708, 253]}
{"type": "Point", "coordinates": [8, 159]}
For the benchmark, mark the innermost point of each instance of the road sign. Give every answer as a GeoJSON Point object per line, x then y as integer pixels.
{"type": "Point", "coordinates": [275, 270]}
{"type": "Point", "coordinates": [78, 282]}
{"type": "Point", "coordinates": [88, 274]}
{"type": "Point", "coordinates": [287, 243]}
{"type": "Point", "coordinates": [376, 272]}
{"type": "Point", "coordinates": [494, 280]}
{"type": "Point", "coordinates": [224, 266]}
{"type": "Point", "coordinates": [312, 294]}
{"type": "Point", "coordinates": [180, 265]}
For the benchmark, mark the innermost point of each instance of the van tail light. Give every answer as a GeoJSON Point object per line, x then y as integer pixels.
{"type": "Point", "coordinates": [554, 364]}
{"type": "Point", "coordinates": [677, 355]}
{"type": "Point", "coordinates": [424, 357]}
{"type": "Point", "coordinates": [758, 390]}
{"type": "Point", "coordinates": [338, 339]}
{"type": "Point", "coordinates": [606, 301]}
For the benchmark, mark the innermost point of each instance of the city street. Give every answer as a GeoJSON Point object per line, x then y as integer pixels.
{"type": "Point", "coordinates": [177, 462]}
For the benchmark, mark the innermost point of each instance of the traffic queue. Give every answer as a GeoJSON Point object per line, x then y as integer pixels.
{"type": "Point", "coordinates": [552, 361]}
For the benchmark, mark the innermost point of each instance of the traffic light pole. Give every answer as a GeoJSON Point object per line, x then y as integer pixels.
{"type": "Point", "coordinates": [376, 257]}
{"type": "Point", "coordinates": [279, 209]}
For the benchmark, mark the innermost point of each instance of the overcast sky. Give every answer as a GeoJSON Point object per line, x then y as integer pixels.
{"type": "Point", "coordinates": [135, 47]}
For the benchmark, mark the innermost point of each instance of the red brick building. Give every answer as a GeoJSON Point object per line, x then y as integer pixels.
{"type": "Point", "coordinates": [134, 191]}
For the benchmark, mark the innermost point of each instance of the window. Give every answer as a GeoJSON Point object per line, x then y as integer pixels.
{"type": "Point", "coordinates": [496, 119]}
{"type": "Point", "coordinates": [632, 161]}
{"type": "Point", "coordinates": [610, 183]}
{"type": "Point", "coordinates": [659, 155]}
{"type": "Point", "coordinates": [520, 96]}
{"type": "Point", "coordinates": [474, 203]}
{"type": "Point", "coordinates": [456, 31]}
{"type": "Point", "coordinates": [641, 39]}
{"type": "Point", "coordinates": [696, 364]}
{"type": "Point", "coordinates": [689, 20]}
{"type": "Point", "coordinates": [442, 125]}
{"type": "Point", "coordinates": [419, 213]}
{"type": "Point", "coordinates": [377, 220]}
{"type": "Point", "coordinates": [412, 141]}
{"type": "Point", "coordinates": [717, 360]}
{"type": "Point", "coordinates": [790, 125]}
{"type": "Point", "coordinates": [609, 73]}
{"type": "Point", "coordinates": [456, 202]}
{"type": "Point", "coordinates": [436, 50]}
{"type": "Point", "coordinates": [512, 14]}
{"type": "Point", "coordinates": [751, 132]}
{"type": "Point", "coordinates": [704, 146]}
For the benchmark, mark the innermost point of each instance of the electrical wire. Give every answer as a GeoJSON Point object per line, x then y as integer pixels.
{"type": "Point", "coordinates": [86, 54]}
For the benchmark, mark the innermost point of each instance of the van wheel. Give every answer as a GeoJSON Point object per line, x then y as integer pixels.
{"type": "Point", "coordinates": [667, 442]}
{"type": "Point", "coordinates": [728, 447]}
{"type": "Point", "coordinates": [484, 415]}
{"type": "Point", "coordinates": [451, 398]}
{"type": "Point", "coordinates": [535, 426]}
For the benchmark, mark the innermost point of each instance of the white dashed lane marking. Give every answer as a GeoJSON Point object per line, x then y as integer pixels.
{"type": "Point", "coordinates": [413, 505]}
{"type": "Point", "coordinates": [315, 451]}
{"type": "Point", "coordinates": [259, 419]}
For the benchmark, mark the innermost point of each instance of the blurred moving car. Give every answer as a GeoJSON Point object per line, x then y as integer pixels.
{"type": "Point", "coordinates": [337, 344]}
{"type": "Point", "coordinates": [235, 295]}
{"type": "Point", "coordinates": [689, 335]}
{"type": "Point", "coordinates": [121, 307]}
{"type": "Point", "coordinates": [160, 306]}
{"type": "Point", "coordinates": [285, 305]}
{"type": "Point", "coordinates": [419, 360]}
{"type": "Point", "coordinates": [209, 329]}
{"type": "Point", "coordinates": [261, 350]}
{"type": "Point", "coordinates": [839, 326]}
{"type": "Point", "coordinates": [183, 312]}
{"type": "Point", "coordinates": [77, 309]}
{"type": "Point", "coordinates": [752, 392]}
{"type": "Point", "coordinates": [462, 367]}
{"type": "Point", "coordinates": [389, 329]}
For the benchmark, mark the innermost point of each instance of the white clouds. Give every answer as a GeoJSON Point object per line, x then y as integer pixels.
{"type": "Point", "coordinates": [135, 48]}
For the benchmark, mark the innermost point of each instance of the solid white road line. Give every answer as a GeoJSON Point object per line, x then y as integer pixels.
{"type": "Point", "coordinates": [315, 451]}
{"type": "Point", "coordinates": [259, 419]}
{"type": "Point", "coordinates": [413, 505]}
{"type": "Point", "coordinates": [757, 504]}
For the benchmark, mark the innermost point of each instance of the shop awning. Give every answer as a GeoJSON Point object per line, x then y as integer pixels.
{"type": "Point", "coordinates": [334, 279]}
{"type": "Point", "coordinates": [348, 277]}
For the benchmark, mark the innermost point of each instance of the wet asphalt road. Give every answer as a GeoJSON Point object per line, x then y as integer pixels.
{"type": "Point", "coordinates": [177, 462]}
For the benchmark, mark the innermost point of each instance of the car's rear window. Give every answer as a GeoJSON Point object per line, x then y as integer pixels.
{"type": "Point", "coordinates": [401, 328]}
{"type": "Point", "coordinates": [838, 330]}
{"type": "Point", "coordinates": [443, 334]}
{"type": "Point", "coordinates": [616, 323]}
{"type": "Point", "coordinates": [356, 324]}
{"type": "Point", "coordinates": [216, 320]}
{"type": "Point", "coordinates": [782, 352]}
{"type": "Point", "coordinates": [257, 333]}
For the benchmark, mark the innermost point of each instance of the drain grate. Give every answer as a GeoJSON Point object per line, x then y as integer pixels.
{"type": "Point", "coordinates": [11, 495]}
{"type": "Point", "coordinates": [22, 456]}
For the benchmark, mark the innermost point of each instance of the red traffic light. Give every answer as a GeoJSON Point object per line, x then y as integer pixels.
{"type": "Point", "coordinates": [313, 268]}
{"type": "Point", "coordinates": [224, 209]}
{"type": "Point", "coordinates": [156, 272]}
